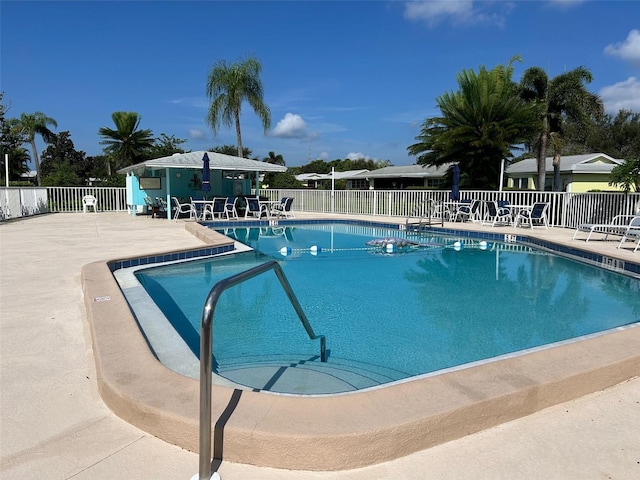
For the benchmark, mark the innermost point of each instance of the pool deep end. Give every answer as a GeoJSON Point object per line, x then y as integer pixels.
{"type": "Point", "coordinates": [342, 431]}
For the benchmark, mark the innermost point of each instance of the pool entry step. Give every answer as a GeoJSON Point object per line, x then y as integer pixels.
{"type": "Point", "coordinates": [306, 377]}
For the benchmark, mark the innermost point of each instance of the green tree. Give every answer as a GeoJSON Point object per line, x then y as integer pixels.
{"type": "Point", "coordinates": [228, 86]}
{"type": "Point", "coordinates": [126, 144]}
{"type": "Point", "coordinates": [556, 100]}
{"type": "Point", "coordinates": [274, 159]}
{"type": "Point", "coordinates": [11, 145]}
{"type": "Point", "coordinates": [31, 124]}
{"type": "Point", "coordinates": [627, 175]}
{"type": "Point", "coordinates": [617, 136]}
{"type": "Point", "coordinates": [281, 180]}
{"type": "Point", "coordinates": [63, 163]}
{"type": "Point", "coordinates": [480, 124]}
{"type": "Point", "coordinates": [232, 150]}
{"type": "Point", "coordinates": [165, 146]}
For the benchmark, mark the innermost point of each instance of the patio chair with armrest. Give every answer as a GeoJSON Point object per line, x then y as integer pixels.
{"type": "Point", "coordinates": [632, 232]}
{"type": "Point", "coordinates": [534, 215]}
{"type": "Point", "coordinates": [254, 208]}
{"type": "Point", "coordinates": [231, 207]}
{"type": "Point", "coordinates": [467, 210]}
{"type": "Point", "coordinates": [89, 201]}
{"type": "Point", "coordinates": [283, 209]}
{"type": "Point", "coordinates": [617, 226]}
{"type": "Point", "coordinates": [181, 208]}
{"type": "Point", "coordinates": [496, 215]}
{"type": "Point", "coordinates": [162, 206]}
{"type": "Point", "coordinates": [216, 209]}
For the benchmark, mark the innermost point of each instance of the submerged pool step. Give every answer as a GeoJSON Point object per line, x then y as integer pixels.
{"type": "Point", "coordinates": [310, 376]}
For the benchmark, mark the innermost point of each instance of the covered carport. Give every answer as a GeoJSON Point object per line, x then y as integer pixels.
{"type": "Point", "coordinates": [180, 175]}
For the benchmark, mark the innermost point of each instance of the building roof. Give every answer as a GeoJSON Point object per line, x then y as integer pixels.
{"type": "Point", "coordinates": [305, 177]}
{"type": "Point", "coordinates": [217, 161]}
{"type": "Point", "coordinates": [406, 171]}
{"type": "Point", "coordinates": [588, 163]}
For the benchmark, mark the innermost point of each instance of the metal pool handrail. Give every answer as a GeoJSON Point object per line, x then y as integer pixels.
{"type": "Point", "coordinates": [206, 349]}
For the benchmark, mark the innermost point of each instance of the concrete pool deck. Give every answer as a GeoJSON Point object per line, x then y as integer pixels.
{"type": "Point", "coordinates": [54, 424]}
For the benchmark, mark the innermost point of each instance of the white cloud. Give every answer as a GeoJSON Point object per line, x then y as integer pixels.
{"type": "Point", "coordinates": [197, 102]}
{"type": "Point", "coordinates": [622, 95]}
{"type": "Point", "coordinates": [459, 12]}
{"type": "Point", "coordinates": [357, 156]}
{"type": "Point", "coordinates": [292, 126]}
{"type": "Point", "coordinates": [565, 3]}
{"type": "Point", "coordinates": [197, 134]}
{"type": "Point", "coordinates": [629, 50]}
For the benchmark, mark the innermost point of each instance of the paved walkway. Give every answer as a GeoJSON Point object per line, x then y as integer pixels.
{"type": "Point", "coordinates": [54, 425]}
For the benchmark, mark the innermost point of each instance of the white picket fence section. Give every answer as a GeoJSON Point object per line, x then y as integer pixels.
{"type": "Point", "coordinates": [565, 209]}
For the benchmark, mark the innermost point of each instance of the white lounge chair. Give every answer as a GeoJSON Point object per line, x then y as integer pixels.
{"type": "Point", "coordinates": [632, 232]}
{"type": "Point", "coordinates": [89, 201]}
{"type": "Point", "coordinates": [536, 214]}
{"type": "Point", "coordinates": [617, 226]}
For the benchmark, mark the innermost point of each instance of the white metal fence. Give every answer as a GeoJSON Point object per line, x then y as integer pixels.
{"type": "Point", "coordinates": [22, 202]}
{"type": "Point", "coordinates": [565, 209]}
{"type": "Point", "coordinates": [69, 199]}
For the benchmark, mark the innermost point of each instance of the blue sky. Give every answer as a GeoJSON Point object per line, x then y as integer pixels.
{"type": "Point", "coordinates": [342, 79]}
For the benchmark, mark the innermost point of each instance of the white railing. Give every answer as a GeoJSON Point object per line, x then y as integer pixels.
{"type": "Point", "coordinates": [69, 199]}
{"type": "Point", "coordinates": [21, 202]}
{"type": "Point", "coordinates": [565, 209]}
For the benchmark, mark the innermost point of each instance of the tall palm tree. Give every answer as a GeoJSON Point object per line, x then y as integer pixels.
{"type": "Point", "coordinates": [228, 86]}
{"type": "Point", "coordinates": [126, 144]}
{"type": "Point", "coordinates": [32, 124]}
{"type": "Point", "coordinates": [479, 126]}
{"type": "Point", "coordinates": [556, 99]}
{"type": "Point", "coordinates": [274, 159]}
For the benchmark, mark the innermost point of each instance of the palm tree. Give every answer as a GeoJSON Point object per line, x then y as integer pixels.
{"type": "Point", "coordinates": [557, 99]}
{"type": "Point", "coordinates": [274, 159]}
{"type": "Point", "coordinates": [126, 144]}
{"type": "Point", "coordinates": [32, 124]}
{"type": "Point", "coordinates": [480, 125]}
{"type": "Point", "coordinates": [228, 86]}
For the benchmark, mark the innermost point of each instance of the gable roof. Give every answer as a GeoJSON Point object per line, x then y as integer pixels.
{"type": "Point", "coordinates": [304, 177]}
{"type": "Point", "coordinates": [406, 171]}
{"type": "Point", "coordinates": [588, 163]}
{"type": "Point", "coordinates": [217, 161]}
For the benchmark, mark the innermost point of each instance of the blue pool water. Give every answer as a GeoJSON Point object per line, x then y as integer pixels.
{"type": "Point", "coordinates": [388, 316]}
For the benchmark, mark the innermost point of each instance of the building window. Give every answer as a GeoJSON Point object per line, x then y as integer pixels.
{"type": "Point", "coordinates": [359, 184]}
{"type": "Point", "coordinates": [434, 182]}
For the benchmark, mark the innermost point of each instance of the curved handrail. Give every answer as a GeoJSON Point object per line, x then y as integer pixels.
{"type": "Point", "coordinates": [206, 349]}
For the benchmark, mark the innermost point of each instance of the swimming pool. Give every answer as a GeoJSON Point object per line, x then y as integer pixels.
{"type": "Point", "coordinates": [387, 316]}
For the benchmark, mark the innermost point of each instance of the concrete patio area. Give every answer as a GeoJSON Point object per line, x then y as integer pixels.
{"type": "Point", "coordinates": [53, 423]}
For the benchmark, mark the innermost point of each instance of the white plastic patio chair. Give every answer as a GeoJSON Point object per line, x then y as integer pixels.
{"type": "Point", "coordinates": [89, 201]}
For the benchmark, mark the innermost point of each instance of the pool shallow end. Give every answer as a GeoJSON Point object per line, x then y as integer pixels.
{"type": "Point", "coordinates": [342, 431]}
